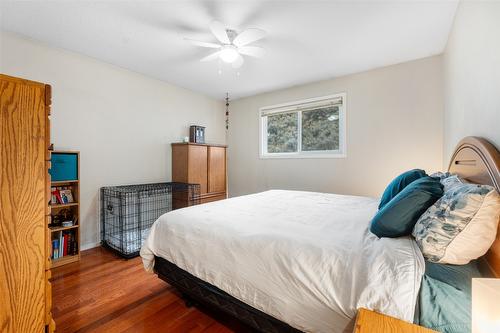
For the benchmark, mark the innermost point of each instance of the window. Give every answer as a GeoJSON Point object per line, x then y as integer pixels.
{"type": "Point", "coordinates": [302, 129]}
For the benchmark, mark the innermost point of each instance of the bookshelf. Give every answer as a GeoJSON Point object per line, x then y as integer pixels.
{"type": "Point", "coordinates": [55, 206]}
{"type": "Point", "coordinates": [65, 211]}
{"type": "Point", "coordinates": [55, 229]}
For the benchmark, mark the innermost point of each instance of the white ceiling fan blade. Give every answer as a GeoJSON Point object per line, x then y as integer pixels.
{"type": "Point", "coordinates": [238, 62]}
{"type": "Point", "coordinates": [203, 44]}
{"type": "Point", "coordinates": [253, 51]}
{"type": "Point", "coordinates": [248, 36]}
{"type": "Point", "coordinates": [219, 31]}
{"type": "Point", "coordinates": [211, 57]}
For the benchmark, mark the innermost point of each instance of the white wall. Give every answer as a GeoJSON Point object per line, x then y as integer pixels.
{"type": "Point", "coordinates": [472, 75]}
{"type": "Point", "coordinates": [121, 122]}
{"type": "Point", "coordinates": [394, 123]}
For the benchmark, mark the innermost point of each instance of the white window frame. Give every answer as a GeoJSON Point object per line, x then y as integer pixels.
{"type": "Point", "coordinates": [298, 105]}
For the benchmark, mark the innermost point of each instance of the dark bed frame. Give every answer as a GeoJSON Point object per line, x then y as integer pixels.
{"type": "Point", "coordinates": [475, 160]}
{"type": "Point", "coordinates": [209, 295]}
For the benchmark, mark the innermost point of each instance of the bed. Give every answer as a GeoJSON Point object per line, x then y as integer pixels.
{"type": "Point", "coordinates": [290, 261]}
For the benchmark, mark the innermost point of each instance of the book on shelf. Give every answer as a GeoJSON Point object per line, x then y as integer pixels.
{"type": "Point", "coordinates": [53, 199]}
{"type": "Point", "coordinates": [61, 244]}
{"type": "Point", "coordinates": [61, 195]}
{"type": "Point", "coordinates": [55, 248]}
{"type": "Point", "coordinates": [64, 244]}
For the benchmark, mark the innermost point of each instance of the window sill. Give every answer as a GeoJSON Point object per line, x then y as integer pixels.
{"type": "Point", "coordinates": [306, 156]}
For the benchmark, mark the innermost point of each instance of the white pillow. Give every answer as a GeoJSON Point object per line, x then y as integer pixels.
{"type": "Point", "coordinates": [461, 226]}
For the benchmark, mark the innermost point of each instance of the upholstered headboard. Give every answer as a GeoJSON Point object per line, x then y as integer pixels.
{"type": "Point", "coordinates": [478, 161]}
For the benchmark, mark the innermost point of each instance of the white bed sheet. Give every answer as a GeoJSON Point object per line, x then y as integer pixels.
{"type": "Point", "coordinates": [305, 258]}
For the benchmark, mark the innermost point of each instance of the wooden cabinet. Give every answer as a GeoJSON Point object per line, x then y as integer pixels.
{"type": "Point", "coordinates": [196, 166]}
{"type": "Point", "coordinates": [369, 321]}
{"type": "Point", "coordinates": [216, 169]}
{"type": "Point", "coordinates": [25, 213]}
{"type": "Point", "coordinates": [202, 164]}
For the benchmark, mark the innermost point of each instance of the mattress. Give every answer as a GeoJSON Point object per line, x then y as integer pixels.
{"type": "Point", "coordinates": [305, 258]}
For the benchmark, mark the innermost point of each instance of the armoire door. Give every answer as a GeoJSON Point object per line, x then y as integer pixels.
{"type": "Point", "coordinates": [23, 172]}
{"type": "Point", "coordinates": [197, 166]}
{"type": "Point", "coordinates": [216, 169]}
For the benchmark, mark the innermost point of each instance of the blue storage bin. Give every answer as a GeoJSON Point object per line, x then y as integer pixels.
{"type": "Point", "coordinates": [64, 166]}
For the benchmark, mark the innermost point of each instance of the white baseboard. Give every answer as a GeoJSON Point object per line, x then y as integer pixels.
{"type": "Point", "coordinates": [89, 246]}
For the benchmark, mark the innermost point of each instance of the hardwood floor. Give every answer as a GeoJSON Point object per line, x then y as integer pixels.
{"type": "Point", "coordinates": [105, 293]}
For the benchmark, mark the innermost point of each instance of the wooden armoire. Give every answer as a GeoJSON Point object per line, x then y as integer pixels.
{"type": "Point", "coordinates": [25, 290]}
{"type": "Point", "coordinates": [203, 164]}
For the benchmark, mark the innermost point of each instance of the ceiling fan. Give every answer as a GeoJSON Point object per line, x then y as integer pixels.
{"type": "Point", "coordinates": [232, 45]}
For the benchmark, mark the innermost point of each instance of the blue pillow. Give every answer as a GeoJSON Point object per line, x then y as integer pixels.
{"type": "Point", "coordinates": [398, 184]}
{"type": "Point", "coordinates": [398, 217]}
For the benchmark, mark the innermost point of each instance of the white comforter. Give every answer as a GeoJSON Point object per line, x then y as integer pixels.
{"type": "Point", "coordinates": [305, 258]}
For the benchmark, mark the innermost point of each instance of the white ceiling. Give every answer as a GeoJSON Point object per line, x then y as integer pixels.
{"type": "Point", "coordinates": [307, 40]}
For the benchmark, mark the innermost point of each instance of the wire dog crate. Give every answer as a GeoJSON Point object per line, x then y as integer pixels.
{"type": "Point", "coordinates": [129, 211]}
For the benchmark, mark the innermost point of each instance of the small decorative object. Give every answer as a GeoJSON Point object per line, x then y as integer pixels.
{"type": "Point", "coordinates": [62, 216]}
{"type": "Point", "coordinates": [185, 139]}
{"type": "Point", "coordinates": [227, 111]}
{"type": "Point", "coordinates": [197, 134]}
{"type": "Point", "coordinates": [61, 195]}
{"type": "Point", "coordinates": [67, 224]}
{"type": "Point", "coordinates": [66, 196]}
{"type": "Point", "coordinates": [485, 305]}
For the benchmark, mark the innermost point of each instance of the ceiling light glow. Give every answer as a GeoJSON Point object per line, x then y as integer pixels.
{"type": "Point", "coordinates": [228, 53]}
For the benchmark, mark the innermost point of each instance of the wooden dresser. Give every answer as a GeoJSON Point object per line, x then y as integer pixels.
{"type": "Point", "coordinates": [203, 164]}
{"type": "Point", "coordinates": [25, 290]}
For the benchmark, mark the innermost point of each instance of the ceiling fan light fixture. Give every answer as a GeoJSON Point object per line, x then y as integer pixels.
{"type": "Point", "coordinates": [232, 46]}
{"type": "Point", "coordinates": [228, 53]}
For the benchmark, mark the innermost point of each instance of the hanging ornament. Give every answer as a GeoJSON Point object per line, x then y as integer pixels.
{"type": "Point", "coordinates": [227, 111]}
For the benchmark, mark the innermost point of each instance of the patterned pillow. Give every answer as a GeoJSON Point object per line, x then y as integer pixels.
{"type": "Point", "coordinates": [461, 226]}
{"type": "Point", "coordinates": [441, 175]}
{"type": "Point", "coordinates": [453, 182]}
